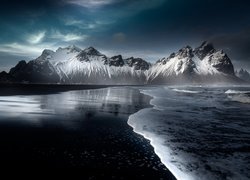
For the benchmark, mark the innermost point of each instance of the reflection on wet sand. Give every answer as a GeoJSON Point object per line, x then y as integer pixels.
{"type": "Point", "coordinates": [70, 105]}
{"type": "Point", "coordinates": [84, 129]}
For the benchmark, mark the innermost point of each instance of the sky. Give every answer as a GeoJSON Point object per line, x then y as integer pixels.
{"type": "Point", "coordinates": [150, 29]}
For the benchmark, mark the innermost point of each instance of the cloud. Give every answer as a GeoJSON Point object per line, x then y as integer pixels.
{"type": "Point", "coordinates": [24, 50]}
{"type": "Point", "coordinates": [92, 3]}
{"type": "Point", "coordinates": [36, 37]}
{"type": "Point", "coordinates": [35, 43]}
{"type": "Point", "coordinates": [67, 37]}
{"type": "Point", "coordinates": [94, 24]}
{"type": "Point", "coordinates": [79, 23]}
{"type": "Point", "coordinates": [71, 21]}
{"type": "Point", "coordinates": [119, 7]}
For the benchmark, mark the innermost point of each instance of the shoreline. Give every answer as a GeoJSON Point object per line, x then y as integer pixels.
{"type": "Point", "coordinates": [156, 143]}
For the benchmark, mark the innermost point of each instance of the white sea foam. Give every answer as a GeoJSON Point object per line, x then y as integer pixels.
{"type": "Point", "coordinates": [240, 98]}
{"type": "Point", "coordinates": [230, 91]}
{"type": "Point", "coordinates": [186, 91]}
{"type": "Point", "coordinates": [165, 154]}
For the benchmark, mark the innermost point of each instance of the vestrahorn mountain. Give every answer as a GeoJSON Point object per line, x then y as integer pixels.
{"type": "Point", "coordinates": [72, 65]}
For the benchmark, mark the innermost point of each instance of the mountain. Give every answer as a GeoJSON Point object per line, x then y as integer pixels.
{"type": "Point", "coordinates": [6, 77]}
{"type": "Point", "coordinates": [202, 64]}
{"type": "Point", "coordinates": [71, 64]}
{"type": "Point", "coordinates": [35, 71]}
{"type": "Point", "coordinates": [91, 66]}
{"type": "Point", "coordinates": [243, 74]}
{"type": "Point", "coordinates": [74, 65]}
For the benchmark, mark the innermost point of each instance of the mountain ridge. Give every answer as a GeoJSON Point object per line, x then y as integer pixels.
{"type": "Point", "coordinates": [73, 65]}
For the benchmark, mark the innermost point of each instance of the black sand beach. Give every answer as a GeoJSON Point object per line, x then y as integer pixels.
{"type": "Point", "coordinates": [93, 138]}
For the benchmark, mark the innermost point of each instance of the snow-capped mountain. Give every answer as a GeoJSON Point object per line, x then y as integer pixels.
{"type": "Point", "coordinates": [43, 69]}
{"type": "Point", "coordinates": [89, 66]}
{"type": "Point", "coordinates": [74, 65]}
{"type": "Point", "coordinates": [202, 64]}
{"type": "Point", "coordinates": [243, 74]}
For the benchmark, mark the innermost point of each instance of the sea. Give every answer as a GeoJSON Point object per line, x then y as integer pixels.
{"type": "Point", "coordinates": [198, 132]}
{"type": "Point", "coordinates": [195, 132]}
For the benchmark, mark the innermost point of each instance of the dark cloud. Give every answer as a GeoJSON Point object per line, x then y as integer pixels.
{"type": "Point", "coordinates": [20, 6]}
{"type": "Point", "coordinates": [145, 28]}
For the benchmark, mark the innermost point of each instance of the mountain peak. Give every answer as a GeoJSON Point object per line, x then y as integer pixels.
{"type": "Point", "coordinates": [206, 48]}
{"type": "Point", "coordinates": [46, 55]}
{"type": "Point", "coordinates": [116, 61]}
{"type": "Point", "coordinates": [243, 74]}
{"type": "Point", "coordinates": [69, 49]}
{"type": "Point", "coordinates": [242, 70]}
{"type": "Point", "coordinates": [92, 51]}
{"type": "Point", "coordinates": [90, 54]}
{"type": "Point", "coordinates": [137, 63]}
{"type": "Point", "coordinates": [73, 48]}
{"type": "Point", "coordinates": [186, 51]}
{"type": "Point", "coordinates": [221, 62]}
{"type": "Point", "coordinates": [47, 52]}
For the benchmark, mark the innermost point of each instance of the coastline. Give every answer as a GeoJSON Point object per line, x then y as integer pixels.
{"type": "Point", "coordinates": [98, 141]}
{"type": "Point", "coordinates": [161, 151]}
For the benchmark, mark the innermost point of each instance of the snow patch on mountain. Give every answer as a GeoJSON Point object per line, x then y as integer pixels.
{"type": "Point", "coordinates": [91, 66]}
{"type": "Point", "coordinates": [74, 65]}
{"type": "Point", "coordinates": [192, 65]}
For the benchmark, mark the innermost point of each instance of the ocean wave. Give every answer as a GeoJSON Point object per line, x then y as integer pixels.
{"type": "Point", "coordinates": [242, 98]}
{"type": "Point", "coordinates": [239, 96]}
{"type": "Point", "coordinates": [186, 91]}
{"type": "Point", "coordinates": [230, 91]}
{"type": "Point", "coordinates": [176, 137]}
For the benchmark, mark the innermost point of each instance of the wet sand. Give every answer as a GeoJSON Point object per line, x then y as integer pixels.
{"type": "Point", "coordinates": [99, 145]}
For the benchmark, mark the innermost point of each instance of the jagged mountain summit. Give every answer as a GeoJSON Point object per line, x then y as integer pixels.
{"type": "Point", "coordinates": [71, 64]}
{"type": "Point", "coordinates": [74, 65]}
{"type": "Point", "coordinates": [202, 64]}
{"type": "Point", "coordinates": [243, 74]}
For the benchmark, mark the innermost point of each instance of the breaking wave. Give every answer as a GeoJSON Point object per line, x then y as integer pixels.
{"type": "Point", "coordinates": [186, 91]}
{"type": "Point", "coordinates": [239, 96]}
{"type": "Point", "coordinates": [236, 92]}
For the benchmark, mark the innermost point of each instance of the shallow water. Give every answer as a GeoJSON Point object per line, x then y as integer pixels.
{"type": "Point", "coordinates": [67, 106]}
{"type": "Point", "coordinates": [198, 132]}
